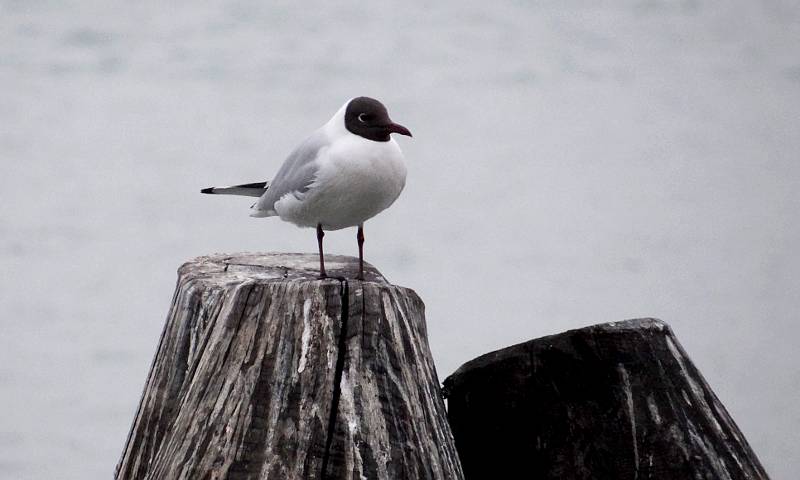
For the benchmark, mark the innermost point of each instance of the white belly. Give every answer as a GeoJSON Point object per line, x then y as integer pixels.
{"type": "Point", "coordinates": [357, 179]}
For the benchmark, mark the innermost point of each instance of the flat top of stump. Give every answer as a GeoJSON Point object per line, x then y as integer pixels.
{"type": "Point", "coordinates": [222, 268]}
{"type": "Point", "coordinates": [640, 326]}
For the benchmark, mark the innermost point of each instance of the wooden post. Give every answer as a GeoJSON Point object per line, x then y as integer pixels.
{"type": "Point", "coordinates": [618, 401]}
{"type": "Point", "coordinates": [264, 371]}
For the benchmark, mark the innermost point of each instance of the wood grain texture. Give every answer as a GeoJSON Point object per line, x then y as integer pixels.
{"type": "Point", "coordinates": [263, 371]}
{"type": "Point", "coordinates": [619, 400]}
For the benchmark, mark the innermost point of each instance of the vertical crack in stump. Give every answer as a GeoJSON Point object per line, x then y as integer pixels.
{"type": "Point", "coordinates": [255, 376]}
{"type": "Point", "coordinates": [337, 376]}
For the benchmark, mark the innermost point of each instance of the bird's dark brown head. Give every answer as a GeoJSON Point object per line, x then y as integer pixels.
{"type": "Point", "coordinates": [368, 118]}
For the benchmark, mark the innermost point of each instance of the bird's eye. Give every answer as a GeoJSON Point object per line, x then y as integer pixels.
{"type": "Point", "coordinates": [364, 117]}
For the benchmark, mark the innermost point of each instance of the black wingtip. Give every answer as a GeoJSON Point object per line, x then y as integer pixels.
{"type": "Point", "coordinates": [207, 190]}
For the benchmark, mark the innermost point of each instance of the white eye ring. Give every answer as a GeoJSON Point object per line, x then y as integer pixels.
{"type": "Point", "coordinates": [360, 119]}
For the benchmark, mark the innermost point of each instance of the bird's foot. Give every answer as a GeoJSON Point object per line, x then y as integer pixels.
{"type": "Point", "coordinates": [322, 275]}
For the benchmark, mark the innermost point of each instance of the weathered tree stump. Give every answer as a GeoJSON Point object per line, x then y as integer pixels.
{"type": "Point", "coordinates": [264, 371]}
{"type": "Point", "coordinates": [613, 401]}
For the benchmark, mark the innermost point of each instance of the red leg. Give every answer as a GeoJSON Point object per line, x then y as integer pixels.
{"type": "Point", "coordinates": [360, 239]}
{"type": "Point", "coordinates": [321, 234]}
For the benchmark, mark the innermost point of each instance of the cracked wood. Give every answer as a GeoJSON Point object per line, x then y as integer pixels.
{"type": "Point", "coordinates": [252, 359]}
{"type": "Point", "coordinates": [617, 400]}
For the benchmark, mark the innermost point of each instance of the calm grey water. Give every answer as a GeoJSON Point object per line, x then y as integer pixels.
{"type": "Point", "coordinates": [573, 162]}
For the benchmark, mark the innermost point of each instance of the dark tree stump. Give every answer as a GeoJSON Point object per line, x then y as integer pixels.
{"type": "Point", "coordinates": [612, 401]}
{"type": "Point", "coordinates": [264, 371]}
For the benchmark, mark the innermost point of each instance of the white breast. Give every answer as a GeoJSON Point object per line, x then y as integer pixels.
{"type": "Point", "coordinates": [356, 180]}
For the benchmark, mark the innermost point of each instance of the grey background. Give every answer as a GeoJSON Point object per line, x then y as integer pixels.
{"type": "Point", "coordinates": [574, 162]}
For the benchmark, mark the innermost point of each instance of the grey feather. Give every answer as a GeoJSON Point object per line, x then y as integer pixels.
{"type": "Point", "coordinates": [297, 173]}
{"type": "Point", "coordinates": [248, 189]}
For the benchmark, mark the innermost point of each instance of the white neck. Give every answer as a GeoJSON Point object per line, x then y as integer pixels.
{"type": "Point", "coordinates": [335, 126]}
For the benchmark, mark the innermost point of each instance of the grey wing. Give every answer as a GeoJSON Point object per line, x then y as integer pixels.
{"type": "Point", "coordinates": [297, 173]}
{"type": "Point", "coordinates": [247, 189]}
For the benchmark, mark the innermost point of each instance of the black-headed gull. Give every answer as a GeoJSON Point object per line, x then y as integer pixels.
{"type": "Point", "coordinates": [342, 175]}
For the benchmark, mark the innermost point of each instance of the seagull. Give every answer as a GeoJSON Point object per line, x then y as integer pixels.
{"type": "Point", "coordinates": [343, 174]}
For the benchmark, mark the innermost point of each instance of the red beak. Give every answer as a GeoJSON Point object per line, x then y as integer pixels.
{"type": "Point", "coordinates": [396, 128]}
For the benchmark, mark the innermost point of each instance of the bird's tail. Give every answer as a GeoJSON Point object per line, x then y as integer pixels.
{"type": "Point", "coordinates": [248, 189]}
